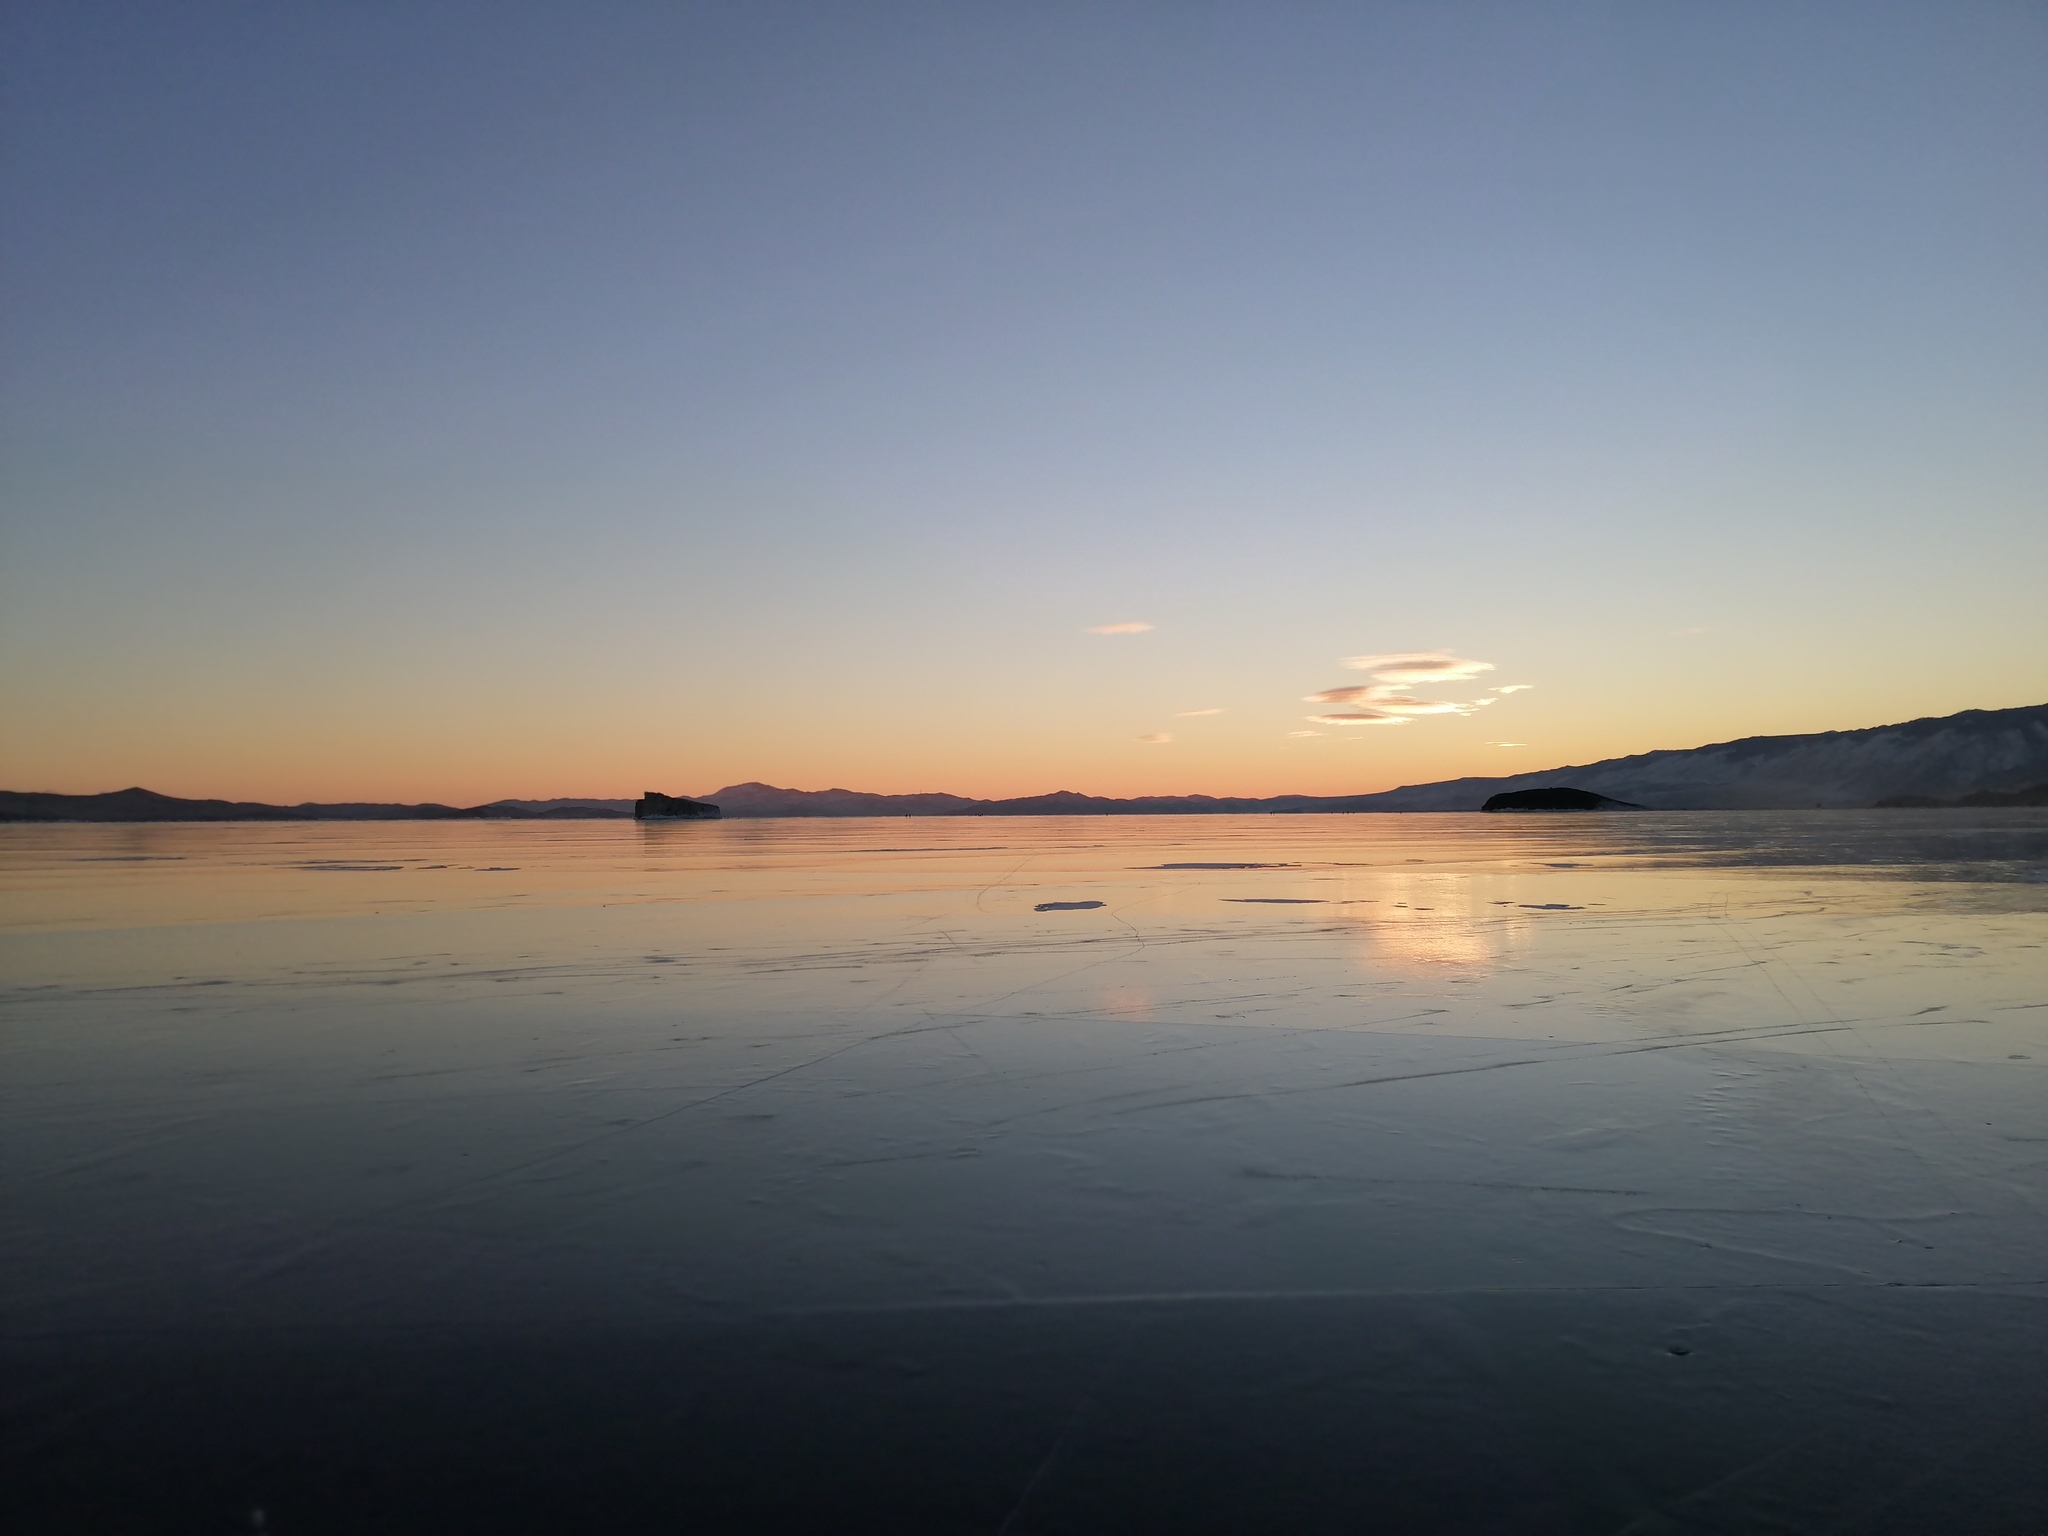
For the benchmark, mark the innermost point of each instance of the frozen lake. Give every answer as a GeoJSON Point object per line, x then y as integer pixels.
{"type": "Point", "coordinates": [1646, 1173]}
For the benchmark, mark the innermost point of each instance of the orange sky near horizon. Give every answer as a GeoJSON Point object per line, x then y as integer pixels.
{"type": "Point", "coordinates": [468, 745]}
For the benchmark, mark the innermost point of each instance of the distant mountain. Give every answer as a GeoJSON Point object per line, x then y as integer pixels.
{"type": "Point", "coordinates": [552, 810]}
{"type": "Point", "coordinates": [752, 799]}
{"type": "Point", "coordinates": [766, 800]}
{"type": "Point", "coordinates": [147, 805]}
{"type": "Point", "coordinates": [1981, 757]}
{"type": "Point", "coordinates": [1945, 758]}
{"type": "Point", "coordinates": [1980, 752]}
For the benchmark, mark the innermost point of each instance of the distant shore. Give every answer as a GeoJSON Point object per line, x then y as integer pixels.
{"type": "Point", "coordinates": [141, 805]}
{"type": "Point", "coordinates": [1974, 759]}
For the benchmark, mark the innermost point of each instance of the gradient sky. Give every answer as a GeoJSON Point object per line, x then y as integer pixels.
{"type": "Point", "coordinates": [462, 400]}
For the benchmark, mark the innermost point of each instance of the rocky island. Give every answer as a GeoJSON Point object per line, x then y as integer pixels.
{"type": "Point", "coordinates": [1555, 798]}
{"type": "Point", "coordinates": [655, 806]}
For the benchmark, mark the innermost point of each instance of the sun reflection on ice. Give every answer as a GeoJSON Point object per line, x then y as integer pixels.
{"type": "Point", "coordinates": [1416, 923]}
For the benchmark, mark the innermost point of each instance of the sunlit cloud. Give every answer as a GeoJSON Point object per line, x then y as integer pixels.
{"type": "Point", "coordinates": [1507, 743]}
{"type": "Point", "coordinates": [1389, 699]}
{"type": "Point", "coordinates": [1304, 733]}
{"type": "Point", "coordinates": [1401, 667]}
{"type": "Point", "coordinates": [1515, 688]}
{"type": "Point", "coordinates": [1130, 627]}
{"type": "Point", "coordinates": [1363, 694]}
{"type": "Point", "coordinates": [1188, 714]}
{"type": "Point", "coordinates": [1425, 707]}
{"type": "Point", "coordinates": [1156, 739]}
{"type": "Point", "coordinates": [1386, 698]}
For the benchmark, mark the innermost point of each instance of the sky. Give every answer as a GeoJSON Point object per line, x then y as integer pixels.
{"type": "Point", "coordinates": [454, 401]}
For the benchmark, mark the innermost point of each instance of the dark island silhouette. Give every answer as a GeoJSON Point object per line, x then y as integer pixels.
{"type": "Point", "coordinates": [1983, 758]}
{"type": "Point", "coordinates": [655, 806]}
{"type": "Point", "coordinates": [1558, 798]}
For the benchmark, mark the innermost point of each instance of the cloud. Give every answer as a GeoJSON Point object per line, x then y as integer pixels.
{"type": "Point", "coordinates": [1389, 699]}
{"type": "Point", "coordinates": [1401, 668]}
{"type": "Point", "coordinates": [1304, 733]}
{"type": "Point", "coordinates": [1507, 743]}
{"type": "Point", "coordinates": [1363, 694]}
{"type": "Point", "coordinates": [1190, 713]}
{"type": "Point", "coordinates": [1130, 627]}
{"type": "Point", "coordinates": [1424, 707]}
{"type": "Point", "coordinates": [1515, 688]}
{"type": "Point", "coordinates": [1156, 739]}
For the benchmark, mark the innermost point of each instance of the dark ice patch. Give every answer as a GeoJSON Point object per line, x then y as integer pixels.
{"type": "Point", "coordinates": [1278, 901]}
{"type": "Point", "coordinates": [1066, 906]}
{"type": "Point", "coordinates": [1220, 866]}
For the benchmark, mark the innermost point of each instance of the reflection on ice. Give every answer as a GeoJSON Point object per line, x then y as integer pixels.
{"type": "Point", "coordinates": [1418, 921]}
{"type": "Point", "coordinates": [1124, 1002]}
{"type": "Point", "coordinates": [816, 1175]}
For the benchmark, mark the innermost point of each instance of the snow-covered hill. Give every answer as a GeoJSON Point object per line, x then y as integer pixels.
{"type": "Point", "coordinates": [1945, 757]}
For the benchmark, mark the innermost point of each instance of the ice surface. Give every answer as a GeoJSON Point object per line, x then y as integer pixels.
{"type": "Point", "coordinates": [1647, 1173]}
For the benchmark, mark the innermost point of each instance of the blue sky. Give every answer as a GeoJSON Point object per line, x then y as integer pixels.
{"type": "Point", "coordinates": [462, 400]}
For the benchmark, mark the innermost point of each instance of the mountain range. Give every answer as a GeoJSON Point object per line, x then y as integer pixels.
{"type": "Point", "coordinates": [1945, 758]}
{"type": "Point", "coordinates": [1980, 756]}
{"type": "Point", "coordinates": [148, 805]}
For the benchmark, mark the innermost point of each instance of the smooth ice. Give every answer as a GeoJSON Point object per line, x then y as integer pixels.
{"type": "Point", "coordinates": [1601, 1173]}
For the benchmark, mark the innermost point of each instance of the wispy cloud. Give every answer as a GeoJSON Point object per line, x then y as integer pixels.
{"type": "Point", "coordinates": [1408, 667]}
{"type": "Point", "coordinates": [1156, 739]}
{"type": "Point", "coordinates": [1389, 698]}
{"type": "Point", "coordinates": [1129, 627]}
{"type": "Point", "coordinates": [1189, 714]}
{"type": "Point", "coordinates": [1425, 707]}
{"type": "Point", "coordinates": [1363, 694]}
{"type": "Point", "coordinates": [1392, 699]}
{"type": "Point", "coordinates": [1360, 717]}
{"type": "Point", "coordinates": [1304, 733]}
{"type": "Point", "coordinates": [1507, 743]}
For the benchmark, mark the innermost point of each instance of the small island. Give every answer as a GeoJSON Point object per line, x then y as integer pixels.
{"type": "Point", "coordinates": [1558, 798]}
{"type": "Point", "coordinates": [655, 806]}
